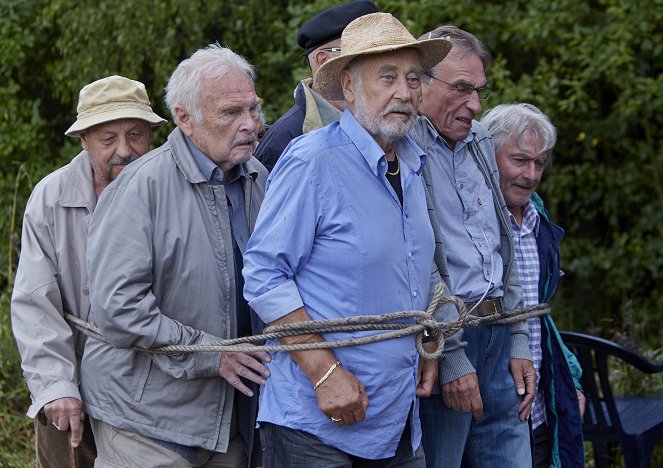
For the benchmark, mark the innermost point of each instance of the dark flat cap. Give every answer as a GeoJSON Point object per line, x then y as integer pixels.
{"type": "Point", "coordinates": [330, 23]}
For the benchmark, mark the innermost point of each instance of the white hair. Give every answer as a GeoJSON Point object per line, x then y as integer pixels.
{"type": "Point", "coordinates": [184, 86]}
{"type": "Point", "coordinates": [516, 121]}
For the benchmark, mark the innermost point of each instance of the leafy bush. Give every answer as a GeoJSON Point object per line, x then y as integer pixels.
{"type": "Point", "coordinates": [595, 67]}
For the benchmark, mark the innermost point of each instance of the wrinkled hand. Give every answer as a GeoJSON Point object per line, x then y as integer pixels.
{"type": "Point", "coordinates": [67, 414]}
{"type": "Point", "coordinates": [524, 376]}
{"type": "Point", "coordinates": [427, 373]}
{"type": "Point", "coordinates": [581, 402]}
{"type": "Point", "coordinates": [343, 396]}
{"type": "Point", "coordinates": [463, 394]}
{"type": "Point", "coordinates": [237, 366]}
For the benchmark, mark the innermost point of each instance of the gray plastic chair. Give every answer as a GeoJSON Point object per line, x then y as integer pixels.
{"type": "Point", "coordinates": [635, 423]}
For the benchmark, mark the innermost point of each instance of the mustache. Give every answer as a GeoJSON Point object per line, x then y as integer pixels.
{"type": "Point", "coordinates": [250, 140]}
{"type": "Point", "coordinates": [404, 108]}
{"type": "Point", "coordinates": [527, 185]}
{"type": "Point", "coordinates": [119, 161]}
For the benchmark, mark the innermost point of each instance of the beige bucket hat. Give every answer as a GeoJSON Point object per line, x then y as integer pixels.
{"type": "Point", "coordinates": [112, 98]}
{"type": "Point", "coordinates": [373, 34]}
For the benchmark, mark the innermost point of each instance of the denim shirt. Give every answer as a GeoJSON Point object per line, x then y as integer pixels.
{"type": "Point", "coordinates": [471, 232]}
{"type": "Point", "coordinates": [332, 236]}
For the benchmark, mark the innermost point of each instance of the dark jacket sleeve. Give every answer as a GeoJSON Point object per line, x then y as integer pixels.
{"type": "Point", "coordinates": [280, 133]}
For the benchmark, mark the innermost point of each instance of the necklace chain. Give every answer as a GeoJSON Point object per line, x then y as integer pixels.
{"type": "Point", "coordinates": [398, 166]}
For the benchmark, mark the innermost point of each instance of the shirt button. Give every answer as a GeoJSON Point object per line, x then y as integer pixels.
{"type": "Point", "coordinates": [381, 163]}
{"type": "Point", "coordinates": [410, 254]}
{"type": "Point", "coordinates": [414, 294]}
{"type": "Point", "coordinates": [86, 291]}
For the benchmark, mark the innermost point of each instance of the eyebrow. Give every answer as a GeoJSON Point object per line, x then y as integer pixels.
{"type": "Point", "coordinates": [389, 67]}
{"type": "Point", "coordinates": [464, 82]}
{"type": "Point", "coordinates": [386, 68]}
{"type": "Point", "coordinates": [239, 107]}
{"type": "Point", "coordinates": [136, 127]}
{"type": "Point", "coordinates": [530, 158]}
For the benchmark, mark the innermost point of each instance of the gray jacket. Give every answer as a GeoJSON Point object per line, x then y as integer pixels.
{"type": "Point", "coordinates": [455, 364]}
{"type": "Point", "coordinates": [51, 280]}
{"type": "Point", "coordinates": [161, 267]}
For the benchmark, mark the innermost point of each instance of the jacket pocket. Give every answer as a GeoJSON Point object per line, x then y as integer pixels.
{"type": "Point", "coordinates": [142, 377]}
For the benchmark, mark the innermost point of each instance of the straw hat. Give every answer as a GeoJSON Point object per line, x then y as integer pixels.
{"type": "Point", "coordinates": [374, 34]}
{"type": "Point", "coordinates": [112, 98]}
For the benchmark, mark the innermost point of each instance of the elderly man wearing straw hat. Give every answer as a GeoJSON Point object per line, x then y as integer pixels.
{"type": "Point", "coordinates": [344, 231]}
{"type": "Point", "coordinates": [321, 38]}
{"type": "Point", "coordinates": [114, 125]}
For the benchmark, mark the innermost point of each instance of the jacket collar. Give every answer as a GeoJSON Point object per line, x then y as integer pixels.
{"type": "Point", "coordinates": [319, 112]}
{"type": "Point", "coordinates": [187, 164]}
{"type": "Point", "coordinates": [78, 186]}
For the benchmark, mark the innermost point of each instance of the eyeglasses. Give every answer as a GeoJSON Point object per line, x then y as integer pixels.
{"type": "Point", "coordinates": [465, 89]}
{"type": "Point", "coordinates": [331, 49]}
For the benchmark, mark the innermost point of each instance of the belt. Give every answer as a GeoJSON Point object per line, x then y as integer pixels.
{"type": "Point", "coordinates": [486, 307]}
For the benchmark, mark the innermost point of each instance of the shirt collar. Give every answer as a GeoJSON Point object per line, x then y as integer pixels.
{"type": "Point", "coordinates": [409, 153]}
{"type": "Point", "coordinates": [531, 220]}
{"type": "Point", "coordinates": [210, 171]}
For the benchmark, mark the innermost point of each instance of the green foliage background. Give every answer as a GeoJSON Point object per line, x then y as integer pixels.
{"type": "Point", "coordinates": [594, 66]}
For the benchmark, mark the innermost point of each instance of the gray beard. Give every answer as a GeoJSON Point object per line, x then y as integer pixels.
{"type": "Point", "coordinates": [377, 125]}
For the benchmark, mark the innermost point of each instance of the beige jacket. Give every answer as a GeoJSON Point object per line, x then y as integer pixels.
{"type": "Point", "coordinates": [52, 280]}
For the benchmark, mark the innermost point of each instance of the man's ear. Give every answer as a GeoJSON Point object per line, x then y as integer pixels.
{"type": "Point", "coordinates": [183, 120]}
{"type": "Point", "coordinates": [348, 87]}
{"type": "Point", "coordinates": [320, 57]}
{"type": "Point", "coordinates": [84, 142]}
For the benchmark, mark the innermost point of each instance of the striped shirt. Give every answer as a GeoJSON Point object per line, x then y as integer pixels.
{"type": "Point", "coordinates": [527, 258]}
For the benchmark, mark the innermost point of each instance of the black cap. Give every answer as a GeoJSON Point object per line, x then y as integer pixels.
{"type": "Point", "coordinates": [330, 23]}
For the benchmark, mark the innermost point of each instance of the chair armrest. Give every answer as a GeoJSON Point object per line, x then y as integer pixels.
{"type": "Point", "coordinates": [612, 348]}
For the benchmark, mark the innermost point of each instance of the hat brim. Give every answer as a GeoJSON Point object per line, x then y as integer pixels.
{"type": "Point", "coordinates": [328, 78]}
{"type": "Point", "coordinates": [115, 114]}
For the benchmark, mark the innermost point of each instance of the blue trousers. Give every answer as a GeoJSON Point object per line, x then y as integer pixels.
{"type": "Point", "coordinates": [498, 439]}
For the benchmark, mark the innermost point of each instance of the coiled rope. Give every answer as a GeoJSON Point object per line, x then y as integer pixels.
{"type": "Point", "coordinates": [425, 324]}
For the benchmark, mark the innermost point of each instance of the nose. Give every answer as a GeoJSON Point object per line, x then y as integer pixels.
{"type": "Point", "coordinates": [249, 121]}
{"type": "Point", "coordinates": [473, 102]}
{"type": "Point", "coordinates": [403, 90]}
{"type": "Point", "coordinates": [530, 171]}
{"type": "Point", "coordinates": [123, 149]}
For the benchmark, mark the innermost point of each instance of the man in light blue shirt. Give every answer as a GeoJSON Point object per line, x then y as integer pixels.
{"type": "Point", "coordinates": [344, 231]}
{"type": "Point", "coordinates": [480, 415]}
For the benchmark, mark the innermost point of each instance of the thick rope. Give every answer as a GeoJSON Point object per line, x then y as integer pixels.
{"type": "Point", "coordinates": [425, 324]}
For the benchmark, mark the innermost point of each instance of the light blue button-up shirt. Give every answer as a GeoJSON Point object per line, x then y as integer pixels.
{"type": "Point", "coordinates": [332, 236]}
{"type": "Point", "coordinates": [469, 224]}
